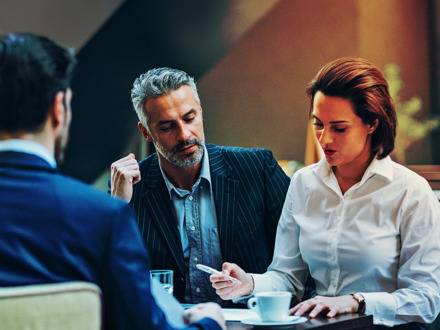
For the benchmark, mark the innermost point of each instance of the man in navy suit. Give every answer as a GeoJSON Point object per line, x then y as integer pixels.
{"type": "Point", "coordinates": [196, 202]}
{"type": "Point", "coordinates": [54, 228]}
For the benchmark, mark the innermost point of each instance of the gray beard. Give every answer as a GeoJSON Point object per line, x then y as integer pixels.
{"type": "Point", "coordinates": [185, 161]}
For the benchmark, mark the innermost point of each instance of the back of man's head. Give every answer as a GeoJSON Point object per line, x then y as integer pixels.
{"type": "Point", "coordinates": [32, 70]}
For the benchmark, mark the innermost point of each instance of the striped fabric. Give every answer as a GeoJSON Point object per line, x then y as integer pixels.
{"type": "Point", "coordinates": [249, 190]}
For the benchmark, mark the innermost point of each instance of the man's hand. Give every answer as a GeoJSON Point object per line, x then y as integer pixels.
{"type": "Point", "coordinates": [228, 289]}
{"type": "Point", "coordinates": [124, 174]}
{"type": "Point", "coordinates": [332, 305]}
{"type": "Point", "coordinates": [200, 311]}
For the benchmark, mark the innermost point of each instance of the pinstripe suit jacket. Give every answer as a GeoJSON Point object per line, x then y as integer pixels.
{"type": "Point", "coordinates": [249, 189]}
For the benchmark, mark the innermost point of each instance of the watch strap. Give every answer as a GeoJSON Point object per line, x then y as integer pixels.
{"type": "Point", "coordinates": [361, 302]}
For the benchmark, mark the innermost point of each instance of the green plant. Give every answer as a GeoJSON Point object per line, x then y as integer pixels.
{"type": "Point", "coordinates": [409, 129]}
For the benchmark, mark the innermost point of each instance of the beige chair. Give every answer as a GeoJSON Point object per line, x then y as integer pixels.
{"type": "Point", "coordinates": [68, 305]}
{"type": "Point", "coordinates": [431, 173]}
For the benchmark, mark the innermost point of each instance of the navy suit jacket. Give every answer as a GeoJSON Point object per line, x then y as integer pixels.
{"type": "Point", "coordinates": [57, 229]}
{"type": "Point", "coordinates": [249, 190]}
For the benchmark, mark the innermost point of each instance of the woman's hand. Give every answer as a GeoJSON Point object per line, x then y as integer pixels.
{"type": "Point", "coordinates": [334, 306]}
{"type": "Point", "coordinates": [228, 289]}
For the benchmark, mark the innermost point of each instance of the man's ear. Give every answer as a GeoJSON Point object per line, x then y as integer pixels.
{"type": "Point", "coordinates": [58, 111]}
{"type": "Point", "coordinates": [144, 132]}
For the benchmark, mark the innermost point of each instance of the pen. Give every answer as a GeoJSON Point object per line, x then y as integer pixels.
{"type": "Point", "coordinates": [210, 270]}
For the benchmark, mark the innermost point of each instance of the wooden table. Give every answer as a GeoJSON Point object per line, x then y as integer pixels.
{"type": "Point", "coordinates": [340, 322]}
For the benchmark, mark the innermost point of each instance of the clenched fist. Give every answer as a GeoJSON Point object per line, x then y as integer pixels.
{"type": "Point", "coordinates": [124, 174]}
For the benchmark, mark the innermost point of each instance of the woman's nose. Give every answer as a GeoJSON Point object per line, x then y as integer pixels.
{"type": "Point", "coordinates": [326, 137]}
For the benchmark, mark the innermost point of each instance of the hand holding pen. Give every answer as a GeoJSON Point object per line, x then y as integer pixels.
{"type": "Point", "coordinates": [232, 282]}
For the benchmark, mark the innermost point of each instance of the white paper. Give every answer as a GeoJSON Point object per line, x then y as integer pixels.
{"type": "Point", "coordinates": [237, 314]}
{"type": "Point", "coordinates": [169, 305]}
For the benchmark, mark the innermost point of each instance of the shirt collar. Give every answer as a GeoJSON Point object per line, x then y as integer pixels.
{"type": "Point", "coordinates": [382, 167]}
{"type": "Point", "coordinates": [205, 173]}
{"type": "Point", "coordinates": [29, 147]}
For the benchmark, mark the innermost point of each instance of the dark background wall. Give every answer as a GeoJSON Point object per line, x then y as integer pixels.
{"type": "Point", "coordinates": [139, 36]}
{"type": "Point", "coordinates": [70, 23]}
{"type": "Point", "coordinates": [252, 60]}
{"type": "Point", "coordinates": [255, 96]}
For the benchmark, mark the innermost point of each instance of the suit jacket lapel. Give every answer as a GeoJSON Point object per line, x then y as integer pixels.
{"type": "Point", "coordinates": [157, 199]}
{"type": "Point", "coordinates": [225, 189]}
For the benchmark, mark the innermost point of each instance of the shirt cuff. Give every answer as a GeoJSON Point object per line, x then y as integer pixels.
{"type": "Point", "coordinates": [382, 306]}
{"type": "Point", "coordinates": [265, 282]}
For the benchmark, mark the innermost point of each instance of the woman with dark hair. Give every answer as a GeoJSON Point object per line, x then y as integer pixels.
{"type": "Point", "coordinates": [365, 228]}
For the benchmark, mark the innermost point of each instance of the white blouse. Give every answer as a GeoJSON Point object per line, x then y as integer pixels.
{"type": "Point", "coordinates": [381, 239]}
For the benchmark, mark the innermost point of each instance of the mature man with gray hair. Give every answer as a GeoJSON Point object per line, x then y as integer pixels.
{"type": "Point", "coordinates": [196, 202]}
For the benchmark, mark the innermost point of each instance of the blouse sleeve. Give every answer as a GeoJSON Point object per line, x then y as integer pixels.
{"type": "Point", "coordinates": [417, 298]}
{"type": "Point", "coordinates": [287, 271]}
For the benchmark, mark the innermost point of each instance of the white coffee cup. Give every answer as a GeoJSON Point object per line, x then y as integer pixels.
{"type": "Point", "coordinates": [271, 306]}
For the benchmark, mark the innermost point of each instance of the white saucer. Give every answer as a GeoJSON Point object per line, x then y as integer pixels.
{"type": "Point", "coordinates": [291, 319]}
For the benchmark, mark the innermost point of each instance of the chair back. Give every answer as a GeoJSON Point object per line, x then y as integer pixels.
{"type": "Point", "coordinates": [67, 305]}
{"type": "Point", "coordinates": [431, 173]}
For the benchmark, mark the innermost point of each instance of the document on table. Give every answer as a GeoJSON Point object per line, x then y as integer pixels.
{"type": "Point", "coordinates": [172, 309]}
{"type": "Point", "coordinates": [237, 314]}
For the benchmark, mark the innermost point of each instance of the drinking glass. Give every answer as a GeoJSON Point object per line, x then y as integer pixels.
{"type": "Point", "coordinates": [165, 278]}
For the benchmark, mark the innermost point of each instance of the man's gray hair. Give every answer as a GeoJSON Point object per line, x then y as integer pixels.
{"type": "Point", "coordinates": [155, 83]}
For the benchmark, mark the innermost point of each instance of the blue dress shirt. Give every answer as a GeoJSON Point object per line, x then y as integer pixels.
{"type": "Point", "coordinates": [197, 223]}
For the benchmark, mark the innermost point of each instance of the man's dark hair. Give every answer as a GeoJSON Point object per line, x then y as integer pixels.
{"type": "Point", "coordinates": [32, 70]}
